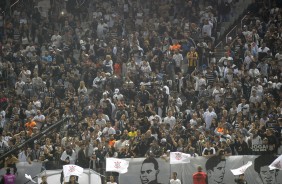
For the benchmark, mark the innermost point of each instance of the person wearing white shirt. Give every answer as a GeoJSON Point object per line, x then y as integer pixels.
{"type": "Point", "coordinates": [254, 98]}
{"type": "Point", "coordinates": [3, 145]}
{"type": "Point", "coordinates": [56, 39]}
{"type": "Point", "coordinates": [217, 93]}
{"type": "Point", "coordinates": [68, 156]}
{"type": "Point", "coordinates": [6, 138]}
{"type": "Point", "coordinates": [225, 136]}
{"type": "Point", "coordinates": [243, 107]}
{"type": "Point", "coordinates": [24, 155]}
{"type": "Point", "coordinates": [207, 27]}
{"type": "Point", "coordinates": [108, 130]}
{"type": "Point", "coordinates": [36, 103]}
{"type": "Point", "coordinates": [39, 119]}
{"type": "Point", "coordinates": [208, 150]}
{"type": "Point", "coordinates": [174, 180]}
{"type": "Point", "coordinates": [278, 57]}
{"type": "Point", "coordinates": [170, 119]}
{"type": "Point", "coordinates": [263, 48]}
{"type": "Point", "coordinates": [120, 143]}
{"type": "Point", "coordinates": [178, 102]}
{"type": "Point", "coordinates": [82, 88]}
{"type": "Point", "coordinates": [249, 58]}
{"type": "Point", "coordinates": [208, 116]}
{"type": "Point", "coordinates": [178, 58]}
{"type": "Point", "coordinates": [103, 101]}
{"type": "Point", "coordinates": [117, 95]}
{"type": "Point", "coordinates": [258, 88]}
{"type": "Point", "coordinates": [100, 120]}
{"type": "Point", "coordinates": [146, 68]}
{"type": "Point", "coordinates": [2, 122]}
{"type": "Point", "coordinates": [19, 87]}
{"type": "Point", "coordinates": [199, 80]}
{"type": "Point", "coordinates": [102, 29]}
{"type": "Point", "coordinates": [193, 120]}
{"type": "Point", "coordinates": [155, 118]}
{"type": "Point", "coordinates": [254, 72]}
{"type": "Point", "coordinates": [98, 81]}
{"type": "Point", "coordinates": [25, 73]}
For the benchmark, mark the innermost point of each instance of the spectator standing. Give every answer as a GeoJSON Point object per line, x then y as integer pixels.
{"type": "Point", "coordinates": [112, 180]}
{"type": "Point", "coordinates": [200, 177]}
{"type": "Point", "coordinates": [208, 150]}
{"type": "Point", "coordinates": [241, 146]}
{"type": "Point", "coordinates": [192, 57]}
{"type": "Point", "coordinates": [208, 116]}
{"type": "Point", "coordinates": [44, 180]}
{"type": "Point", "coordinates": [30, 124]}
{"type": "Point", "coordinates": [9, 178]}
{"type": "Point", "coordinates": [174, 179]}
{"type": "Point", "coordinates": [178, 58]}
{"type": "Point", "coordinates": [39, 119]}
{"type": "Point", "coordinates": [82, 157]}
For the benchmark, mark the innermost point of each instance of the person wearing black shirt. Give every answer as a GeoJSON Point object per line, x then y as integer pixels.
{"type": "Point", "coordinates": [272, 141]}
{"type": "Point", "coordinates": [241, 146]}
{"type": "Point", "coordinates": [83, 159]}
{"type": "Point", "coordinates": [144, 95]}
{"type": "Point", "coordinates": [142, 146]}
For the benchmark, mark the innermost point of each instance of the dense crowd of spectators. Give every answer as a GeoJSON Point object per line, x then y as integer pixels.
{"type": "Point", "coordinates": [139, 78]}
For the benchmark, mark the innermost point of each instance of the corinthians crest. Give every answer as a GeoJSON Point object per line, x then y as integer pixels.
{"type": "Point", "coordinates": [178, 156]}
{"type": "Point", "coordinates": [72, 168]}
{"type": "Point", "coordinates": [117, 165]}
{"type": "Point", "coordinates": [277, 164]}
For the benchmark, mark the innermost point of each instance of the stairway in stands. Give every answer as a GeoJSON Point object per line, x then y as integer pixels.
{"type": "Point", "coordinates": [225, 27]}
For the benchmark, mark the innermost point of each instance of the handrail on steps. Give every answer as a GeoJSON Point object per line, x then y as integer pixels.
{"type": "Point", "coordinates": [227, 35]}
{"type": "Point", "coordinates": [243, 20]}
{"type": "Point", "coordinates": [217, 45]}
{"type": "Point", "coordinates": [13, 5]}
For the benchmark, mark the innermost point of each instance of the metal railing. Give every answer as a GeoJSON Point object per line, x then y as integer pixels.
{"type": "Point", "coordinates": [35, 137]}
{"type": "Point", "coordinates": [13, 6]}
{"type": "Point", "coordinates": [232, 33]}
{"type": "Point", "coordinates": [242, 21]}
{"type": "Point", "coordinates": [219, 45]}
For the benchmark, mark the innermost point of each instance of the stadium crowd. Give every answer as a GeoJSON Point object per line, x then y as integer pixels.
{"type": "Point", "coordinates": [138, 78]}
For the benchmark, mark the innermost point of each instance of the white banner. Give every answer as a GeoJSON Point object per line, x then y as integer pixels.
{"type": "Point", "coordinates": [178, 158]}
{"type": "Point", "coordinates": [87, 177]}
{"type": "Point", "coordinates": [241, 170]}
{"type": "Point", "coordinates": [276, 164]}
{"type": "Point", "coordinates": [72, 170]}
{"type": "Point", "coordinates": [116, 165]}
{"type": "Point", "coordinates": [217, 168]}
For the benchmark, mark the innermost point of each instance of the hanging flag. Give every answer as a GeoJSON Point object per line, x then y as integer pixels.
{"type": "Point", "coordinates": [276, 164]}
{"type": "Point", "coordinates": [29, 178]}
{"type": "Point", "coordinates": [242, 169]}
{"type": "Point", "coordinates": [70, 170]}
{"type": "Point", "coordinates": [117, 165]}
{"type": "Point", "coordinates": [179, 157]}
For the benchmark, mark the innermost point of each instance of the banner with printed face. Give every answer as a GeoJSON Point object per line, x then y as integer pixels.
{"type": "Point", "coordinates": [143, 170]}
{"type": "Point", "coordinates": [159, 171]}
